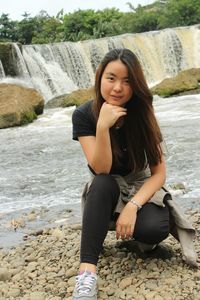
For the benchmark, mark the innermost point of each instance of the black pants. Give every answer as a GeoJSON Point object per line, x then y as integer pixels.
{"type": "Point", "coordinates": [152, 224]}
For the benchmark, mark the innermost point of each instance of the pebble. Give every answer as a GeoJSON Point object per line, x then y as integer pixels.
{"type": "Point", "coordinates": [4, 274]}
{"type": "Point", "coordinates": [45, 268]}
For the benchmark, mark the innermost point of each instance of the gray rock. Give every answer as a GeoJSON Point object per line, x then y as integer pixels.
{"type": "Point", "coordinates": [14, 293]}
{"type": "Point", "coordinates": [4, 274]}
{"type": "Point", "coordinates": [38, 296]}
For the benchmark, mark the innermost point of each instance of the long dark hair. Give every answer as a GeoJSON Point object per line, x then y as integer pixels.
{"type": "Point", "coordinates": [143, 134]}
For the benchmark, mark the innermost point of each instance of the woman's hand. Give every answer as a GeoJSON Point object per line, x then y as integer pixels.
{"type": "Point", "coordinates": [109, 114]}
{"type": "Point", "coordinates": [126, 222]}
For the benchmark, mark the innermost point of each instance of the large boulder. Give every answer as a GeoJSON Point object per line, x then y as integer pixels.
{"type": "Point", "coordinates": [186, 81]}
{"type": "Point", "coordinates": [75, 98]}
{"type": "Point", "coordinates": [19, 105]}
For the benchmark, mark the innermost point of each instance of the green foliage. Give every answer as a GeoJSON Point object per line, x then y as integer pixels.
{"type": "Point", "coordinates": [26, 29]}
{"type": "Point", "coordinates": [8, 31]}
{"type": "Point", "coordinates": [78, 25]}
{"type": "Point", "coordinates": [109, 23]}
{"type": "Point", "coordinates": [180, 13]}
{"type": "Point", "coordinates": [90, 24]}
{"type": "Point", "coordinates": [144, 21]}
{"type": "Point", "coordinates": [51, 32]}
{"type": "Point", "coordinates": [86, 24]}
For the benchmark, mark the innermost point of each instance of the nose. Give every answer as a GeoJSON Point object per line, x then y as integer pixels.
{"type": "Point", "coordinates": [117, 86]}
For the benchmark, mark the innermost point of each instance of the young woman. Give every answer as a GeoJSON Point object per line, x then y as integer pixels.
{"type": "Point", "coordinates": [121, 141]}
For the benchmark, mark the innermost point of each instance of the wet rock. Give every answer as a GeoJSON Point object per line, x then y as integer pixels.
{"type": "Point", "coordinates": [18, 105]}
{"type": "Point", "coordinates": [187, 80]}
{"type": "Point", "coordinates": [75, 98]}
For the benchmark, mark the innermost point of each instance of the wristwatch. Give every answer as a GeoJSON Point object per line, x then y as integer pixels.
{"type": "Point", "coordinates": [135, 203]}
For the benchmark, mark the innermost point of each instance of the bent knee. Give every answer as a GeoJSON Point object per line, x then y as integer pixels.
{"type": "Point", "coordinates": [153, 233]}
{"type": "Point", "coordinates": [105, 182]}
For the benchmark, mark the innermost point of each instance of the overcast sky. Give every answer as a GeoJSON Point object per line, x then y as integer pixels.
{"type": "Point", "coordinates": [15, 8]}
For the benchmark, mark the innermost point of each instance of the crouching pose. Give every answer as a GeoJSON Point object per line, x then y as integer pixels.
{"type": "Point", "coordinates": [121, 141]}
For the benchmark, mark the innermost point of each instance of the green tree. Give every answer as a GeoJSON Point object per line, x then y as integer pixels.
{"type": "Point", "coordinates": [26, 30]}
{"type": "Point", "coordinates": [8, 29]}
{"type": "Point", "coordinates": [109, 23]}
{"type": "Point", "coordinates": [79, 24]}
{"type": "Point", "coordinates": [146, 21]}
{"type": "Point", "coordinates": [180, 13]}
{"type": "Point", "coordinates": [36, 29]}
{"type": "Point", "coordinates": [51, 31]}
{"type": "Point", "coordinates": [143, 19]}
{"type": "Point", "coordinates": [85, 24]}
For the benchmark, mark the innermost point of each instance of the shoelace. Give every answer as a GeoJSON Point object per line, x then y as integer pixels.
{"type": "Point", "coordinates": [84, 283]}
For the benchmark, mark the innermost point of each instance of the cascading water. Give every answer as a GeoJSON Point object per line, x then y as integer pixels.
{"type": "Point", "coordinates": [60, 68]}
{"type": "Point", "coordinates": [2, 73]}
{"type": "Point", "coordinates": [19, 63]}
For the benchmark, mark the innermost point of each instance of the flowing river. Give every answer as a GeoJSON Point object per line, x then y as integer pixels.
{"type": "Point", "coordinates": [40, 165]}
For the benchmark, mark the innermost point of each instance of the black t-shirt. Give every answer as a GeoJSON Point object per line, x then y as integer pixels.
{"type": "Point", "coordinates": [84, 124]}
{"type": "Point", "coordinates": [83, 121]}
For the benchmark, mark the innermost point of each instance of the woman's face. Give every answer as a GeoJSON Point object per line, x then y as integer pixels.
{"type": "Point", "coordinates": [115, 85]}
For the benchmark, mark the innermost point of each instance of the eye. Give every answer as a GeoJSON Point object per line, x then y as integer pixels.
{"type": "Point", "coordinates": [111, 78]}
{"type": "Point", "coordinates": [126, 81]}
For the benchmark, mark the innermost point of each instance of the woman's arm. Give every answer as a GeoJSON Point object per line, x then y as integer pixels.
{"type": "Point", "coordinates": [126, 221]}
{"type": "Point", "coordinates": [97, 149]}
{"type": "Point", "coordinates": [152, 184]}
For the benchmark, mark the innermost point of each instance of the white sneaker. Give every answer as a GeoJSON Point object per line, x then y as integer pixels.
{"type": "Point", "coordinates": [86, 286]}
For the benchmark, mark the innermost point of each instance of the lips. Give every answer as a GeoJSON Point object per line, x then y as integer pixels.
{"type": "Point", "coordinates": [116, 97]}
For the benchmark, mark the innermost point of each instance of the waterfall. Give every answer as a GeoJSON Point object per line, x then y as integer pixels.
{"type": "Point", "coordinates": [2, 73]}
{"type": "Point", "coordinates": [47, 74]}
{"type": "Point", "coordinates": [19, 63]}
{"type": "Point", "coordinates": [56, 69]}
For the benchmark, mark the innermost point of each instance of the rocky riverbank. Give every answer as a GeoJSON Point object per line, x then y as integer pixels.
{"type": "Point", "coordinates": [45, 268]}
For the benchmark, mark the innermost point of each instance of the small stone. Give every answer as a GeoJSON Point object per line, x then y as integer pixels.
{"type": "Point", "coordinates": [120, 254]}
{"type": "Point", "coordinates": [4, 274]}
{"type": "Point", "coordinates": [76, 227]}
{"type": "Point", "coordinates": [57, 233]}
{"type": "Point", "coordinates": [37, 296]}
{"type": "Point", "coordinates": [71, 272]}
{"type": "Point", "coordinates": [16, 277]}
{"type": "Point", "coordinates": [158, 297]}
{"type": "Point", "coordinates": [110, 291]}
{"type": "Point", "coordinates": [31, 217]}
{"type": "Point", "coordinates": [72, 281]}
{"type": "Point", "coordinates": [31, 258]}
{"type": "Point", "coordinates": [140, 297]}
{"type": "Point", "coordinates": [151, 284]}
{"type": "Point", "coordinates": [29, 251]}
{"type": "Point", "coordinates": [14, 293]}
{"type": "Point", "coordinates": [150, 295]}
{"type": "Point", "coordinates": [125, 282]}
{"type": "Point", "coordinates": [32, 266]}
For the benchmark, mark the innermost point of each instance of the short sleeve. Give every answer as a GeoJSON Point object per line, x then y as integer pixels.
{"type": "Point", "coordinates": [83, 122]}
